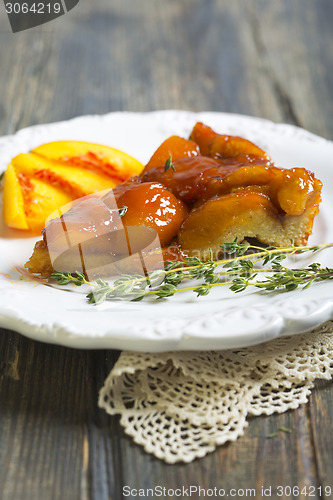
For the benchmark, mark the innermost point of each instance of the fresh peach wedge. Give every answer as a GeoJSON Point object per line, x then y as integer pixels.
{"type": "Point", "coordinates": [13, 202]}
{"type": "Point", "coordinates": [40, 199]}
{"type": "Point", "coordinates": [74, 180]}
{"type": "Point", "coordinates": [94, 157]}
{"type": "Point", "coordinates": [38, 183]}
{"type": "Point", "coordinates": [26, 200]}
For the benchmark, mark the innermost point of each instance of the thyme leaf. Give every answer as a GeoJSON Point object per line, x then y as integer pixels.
{"type": "Point", "coordinates": [76, 279]}
{"type": "Point", "coordinates": [238, 272]}
{"type": "Point", "coordinates": [121, 211]}
{"type": "Point", "coordinates": [169, 164]}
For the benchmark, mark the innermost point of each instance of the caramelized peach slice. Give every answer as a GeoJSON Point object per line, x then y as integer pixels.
{"type": "Point", "coordinates": [254, 174]}
{"type": "Point", "coordinates": [151, 204]}
{"type": "Point", "coordinates": [224, 146]}
{"type": "Point", "coordinates": [194, 178]}
{"type": "Point", "coordinates": [203, 136]}
{"type": "Point", "coordinates": [298, 188]}
{"type": "Point", "coordinates": [227, 146]}
{"type": "Point", "coordinates": [291, 190]}
{"type": "Point", "coordinates": [197, 179]}
{"type": "Point", "coordinates": [174, 146]}
{"type": "Point", "coordinates": [241, 214]}
{"type": "Point", "coordinates": [267, 179]}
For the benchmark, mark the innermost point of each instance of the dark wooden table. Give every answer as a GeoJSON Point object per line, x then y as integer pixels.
{"type": "Point", "coordinates": [272, 59]}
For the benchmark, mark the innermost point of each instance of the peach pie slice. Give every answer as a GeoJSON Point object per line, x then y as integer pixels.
{"type": "Point", "coordinates": [196, 194]}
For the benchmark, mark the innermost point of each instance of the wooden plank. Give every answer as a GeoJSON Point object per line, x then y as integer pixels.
{"type": "Point", "coordinates": [42, 427]}
{"type": "Point", "coordinates": [293, 43]}
{"type": "Point", "coordinates": [55, 442]}
{"type": "Point", "coordinates": [320, 416]}
{"type": "Point", "coordinates": [225, 57]}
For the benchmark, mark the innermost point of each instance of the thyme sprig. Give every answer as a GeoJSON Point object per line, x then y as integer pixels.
{"type": "Point", "coordinates": [76, 279]}
{"type": "Point", "coordinates": [239, 270]}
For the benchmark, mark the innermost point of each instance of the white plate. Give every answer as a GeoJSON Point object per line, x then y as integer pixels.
{"type": "Point", "coordinates": [220, 320]}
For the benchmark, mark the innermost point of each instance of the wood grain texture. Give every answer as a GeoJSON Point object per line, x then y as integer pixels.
{"type": "Point", "coordinates": [262, 58]}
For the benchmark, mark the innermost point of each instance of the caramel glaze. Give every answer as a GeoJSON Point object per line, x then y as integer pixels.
{"type": "Point", "coordinates": [199, 178]}
{"type": "Point", "coordinates": [196, 179]}
{"type": "Point", "coordinates": [151, 204]}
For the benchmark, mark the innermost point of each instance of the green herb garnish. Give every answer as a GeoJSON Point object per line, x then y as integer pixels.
{"type": "Point", "coordinates": [169, 164]}
{"type": "Point", "coordinates": [239, 273]}
{"type": "Point", "coordinates": [76, 279]}
{"type": "Point", "coordinates": [121, 211]}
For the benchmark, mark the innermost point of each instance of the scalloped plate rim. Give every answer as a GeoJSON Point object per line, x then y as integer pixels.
{"type": "Point", "coordinates": [62, 334]}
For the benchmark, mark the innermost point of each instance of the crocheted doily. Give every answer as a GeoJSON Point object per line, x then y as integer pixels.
{"type": "Point", "coordinates": [181, 405]}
